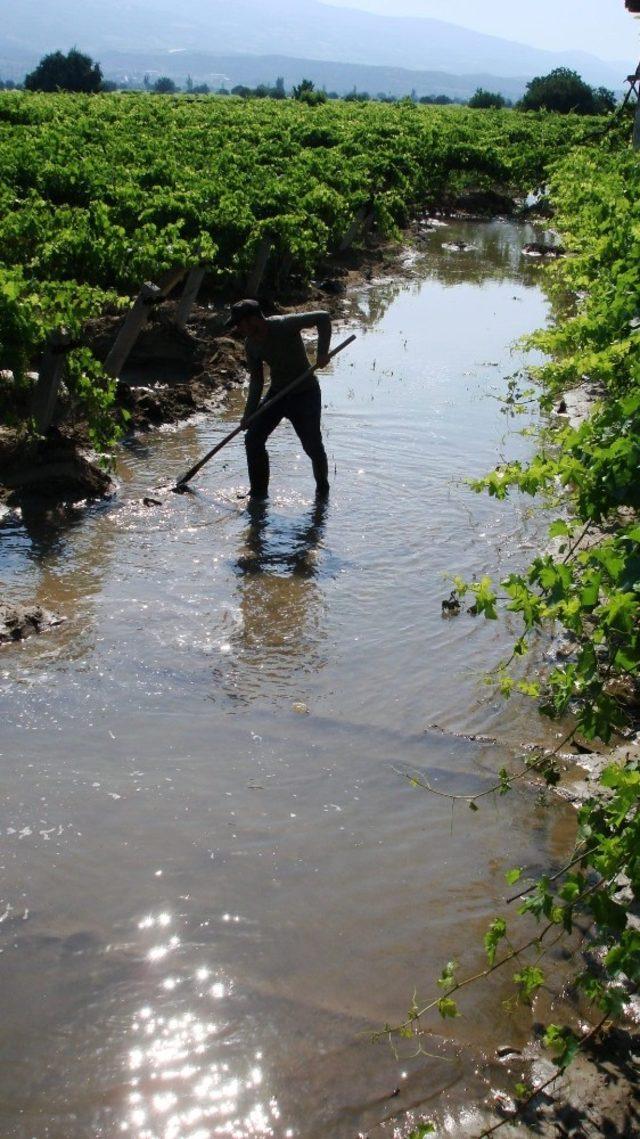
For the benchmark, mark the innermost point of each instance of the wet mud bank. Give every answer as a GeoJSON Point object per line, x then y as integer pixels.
{"type": "Point", "coordinates": [597, 1096]}
{"type": "Point", "coordinates": [58, 468]}
{"type": "Point", "coordinates": [172, 374]}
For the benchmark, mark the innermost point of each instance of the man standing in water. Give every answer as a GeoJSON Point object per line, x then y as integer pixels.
{"type": "Point", "coordinates": [276, 341]}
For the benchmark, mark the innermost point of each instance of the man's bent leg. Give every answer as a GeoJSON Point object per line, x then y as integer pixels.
{"type": "Point", "coordinates": [304, 412]}
{"type": "Point", "coordinates": [257, 455]}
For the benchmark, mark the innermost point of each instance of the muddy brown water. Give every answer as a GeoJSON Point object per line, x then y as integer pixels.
{"type": "Point", "coordinates": [217, 881]}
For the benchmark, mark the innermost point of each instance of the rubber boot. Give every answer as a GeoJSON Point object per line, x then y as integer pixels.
{"type": "Point", "coordinates": [321, 475]}
{"type": "Point", "coordinates": [258, 465]}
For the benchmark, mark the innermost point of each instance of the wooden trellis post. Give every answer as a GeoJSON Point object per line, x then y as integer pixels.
{"type": "Point", "coordinates": [633, 6]}
{"type": "Point", "coordinates": [45, 395]}
{"type": "Point", "coordinates": [353, 230]}
{"type": "Point", "coordinates": [634, 89]}
{"type": "Point", "coordinates": [284, 268]}
{"type": "Point", "coordinates": [634, 82]}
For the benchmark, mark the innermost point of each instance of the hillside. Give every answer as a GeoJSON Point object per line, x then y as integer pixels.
{"type": "Point", "coordinates": [302, 29]}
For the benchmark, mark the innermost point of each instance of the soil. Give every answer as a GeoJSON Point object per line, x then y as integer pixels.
{"type": "Point", "coordinates": [55, 469]}
{"type": "Point", "coordinates": [597, 1095]}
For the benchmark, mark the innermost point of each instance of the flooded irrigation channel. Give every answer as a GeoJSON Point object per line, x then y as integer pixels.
{"type": "Point", "coordinates": [217, 881]}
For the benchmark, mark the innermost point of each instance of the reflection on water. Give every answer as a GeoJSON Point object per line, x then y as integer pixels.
{"type": "Point", "coordinates": [280, 604]}
{"type": "Point", "coordinates": [489, 254]}
{"type": "Point", "coordinates": [180, 1084]}
{"type": "Point", "coordinates": [52, 557]}
{"type": "Point", "coordinates": [279, 622]}
{"type": "Point", "coordinates": [209, 901]}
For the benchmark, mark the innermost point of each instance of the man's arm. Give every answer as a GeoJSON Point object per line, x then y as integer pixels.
{"type": "Point", "coordinates": [256, 384]}
{"type": "Point", "coordinates": [320, 320]}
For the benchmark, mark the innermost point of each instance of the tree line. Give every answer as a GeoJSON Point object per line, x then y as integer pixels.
{"type": "Point", "coordinates": [562, 90]}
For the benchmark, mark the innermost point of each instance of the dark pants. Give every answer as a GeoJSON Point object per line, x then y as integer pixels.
{"type": "Point", "coordinates": [302, 409]}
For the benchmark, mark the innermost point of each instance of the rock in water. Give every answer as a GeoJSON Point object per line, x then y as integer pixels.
{"type": "Point", "coordinates": [541, 249]}
{"type": "Point", "coordinates": [20, 621]}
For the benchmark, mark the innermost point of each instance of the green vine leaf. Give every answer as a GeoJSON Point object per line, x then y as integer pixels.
{"type": "Point", "coordinates": [514, 875]}
{"type": "Point", "coordinates": [447, 1008]}
{"type": "Point", "coordinates": [495, 934]}
{"type": "Point", "coordinates": [447, 979]}
{"type": "Point", "coordinates": [562, 1043]}
{"type": "Point", "coordinates": [529, 980]}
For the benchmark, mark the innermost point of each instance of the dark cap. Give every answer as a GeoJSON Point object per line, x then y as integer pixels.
{"type": "Point", "coordinates": [241, 310]}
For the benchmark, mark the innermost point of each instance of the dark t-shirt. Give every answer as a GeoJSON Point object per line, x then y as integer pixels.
{"type": "Point", "coordinates": [284, 351]}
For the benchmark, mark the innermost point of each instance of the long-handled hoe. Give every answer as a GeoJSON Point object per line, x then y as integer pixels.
{"type": "Point", "coordinates": [181, 485]}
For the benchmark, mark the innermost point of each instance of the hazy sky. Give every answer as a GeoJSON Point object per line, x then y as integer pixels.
{"type": "Point", "coordinates": [602, 27]}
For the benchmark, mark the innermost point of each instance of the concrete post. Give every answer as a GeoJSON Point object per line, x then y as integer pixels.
{"type": "Point", "coordinates": [189, 296]}
{"type": "Point", "coordinates": [254, 280]}
{"type": "Point", "coordinates": [148, 296]}
{"type": "Point", "coordinates": [361, 223]}
{"type": "Point", "coordinates": [45, 396]}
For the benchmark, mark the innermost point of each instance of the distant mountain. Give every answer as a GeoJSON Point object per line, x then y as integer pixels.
{"type": "Point", "coordinates": [302, 29]}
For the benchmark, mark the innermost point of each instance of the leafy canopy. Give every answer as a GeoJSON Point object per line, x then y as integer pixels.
{"type": "Point", "coordinates": [164, 86]}
{"type": "Point", "coordinates": [306, 92]}
{"type": "Point", "coordinates": [71, 72]}
{"type": "Point", "coordinates": [486, 100]}
{"type": "Point", "coordinates": [564, 91]}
